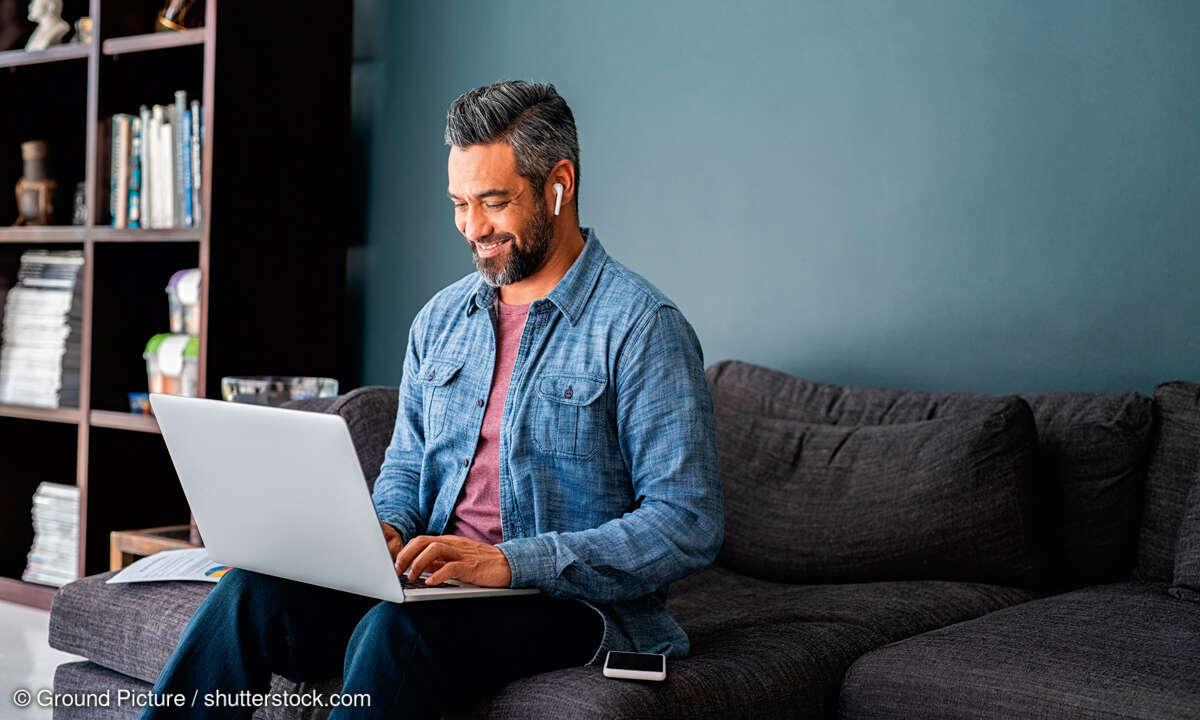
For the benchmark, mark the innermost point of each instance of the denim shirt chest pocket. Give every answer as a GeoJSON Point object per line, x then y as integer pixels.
{"type": "Point", "coordinates": [435, 378]}
{"type": "Point", "coordinates": [569, 414]}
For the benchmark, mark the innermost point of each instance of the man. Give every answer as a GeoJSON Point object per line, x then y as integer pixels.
{"type": "Point", "coordinates": [555, 431]}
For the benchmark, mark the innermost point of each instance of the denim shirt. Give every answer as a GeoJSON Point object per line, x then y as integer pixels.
{"type": "Point", "coordinates": [608, 464]}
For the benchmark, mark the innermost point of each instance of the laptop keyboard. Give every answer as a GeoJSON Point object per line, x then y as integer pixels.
{"type": "Point", "coordinates": [419, 583]}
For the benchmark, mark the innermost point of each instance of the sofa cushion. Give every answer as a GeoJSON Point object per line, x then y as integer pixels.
{"type": "Point", "coordinates": [759, 649]}
{"type": "Point", "coordinates": [128, 627]}
{"type": "Point", "coordinates": [1090, 463]}
{"type": "Point", "coordinates": [717, 599]}
{"type": "Point", "coordinates": [770, 393]}
{"type": "Point", "coordinates": [946, 498]}
{"type": "Point", "coordinates": [1121, 650]}
{"type": "Point", "coordinates": [370, 413]}
{"type": "Point", "coordinates": [1185, 583]}
{"type": "Point", "coordinates": [760, 672]}
{"type": "Point", "coordinates": [1174, 460]}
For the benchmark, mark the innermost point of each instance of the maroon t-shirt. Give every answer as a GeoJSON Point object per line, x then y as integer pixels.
{"type": "Point", "coordinates": [477, 513]}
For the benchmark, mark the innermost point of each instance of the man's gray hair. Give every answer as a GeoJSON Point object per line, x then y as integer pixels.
{"type": "Point", "coordinates": [531, 117]}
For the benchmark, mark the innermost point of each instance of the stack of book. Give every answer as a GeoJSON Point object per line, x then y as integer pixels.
{"type": "Point", "coordinates": [54, 557]}
{"type": "Point", "coordinates": [155, 168]}
{"type": "Point", "coordinates": [40, 348]}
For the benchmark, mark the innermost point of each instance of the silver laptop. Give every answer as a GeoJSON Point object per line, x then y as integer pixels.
{"type": "Point", "coordinates": [281, 492]}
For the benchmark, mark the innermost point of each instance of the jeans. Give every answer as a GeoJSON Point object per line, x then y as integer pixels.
{"type": "Point", "coordinates": [413, 660]}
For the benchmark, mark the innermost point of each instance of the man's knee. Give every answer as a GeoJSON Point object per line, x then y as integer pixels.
{"type": "Point", "coordinates": [239, 586]}
{"type": "Point", "coordinates": [386, 617]}
{"type": "Point", "coordinates": [388, 624]}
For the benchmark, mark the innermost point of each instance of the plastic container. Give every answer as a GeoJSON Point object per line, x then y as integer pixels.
{"type": "Point", "coordinates": [172, 364]}
{"type": "Point", "coordinates": [183, 295]}
{"type": "Point", "coordinates": [276, 390]}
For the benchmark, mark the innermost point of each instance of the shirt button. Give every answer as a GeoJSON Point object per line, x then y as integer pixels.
{"type": "Point", "coordinates": [568, 393]}
{"type": "Point", "coordinates": [478, 403]}
{"type": "Point", "coordinates": [466, 463]}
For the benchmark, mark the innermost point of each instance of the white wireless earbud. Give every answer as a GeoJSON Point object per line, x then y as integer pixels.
{"type": "Point", "coordinates": [558, 197]}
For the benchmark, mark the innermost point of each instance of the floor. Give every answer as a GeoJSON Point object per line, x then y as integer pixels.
{"type": "Point", "coordinates": [27, 662]}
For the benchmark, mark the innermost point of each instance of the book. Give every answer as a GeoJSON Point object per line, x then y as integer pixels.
{"type": "Point", "coordinates": [179, 141]}
{"type": "Point", "coordinates": [144, 165]}
{"type": "Point", "coordinates": [196, 128]}
{"type": "Point", "coordinates": [112, 168]}
{"type": "Point", "coordinates": [135, 171]}
{"type": "Point", "coordinates": [119, 183]}
{"type": "Point", "coordinates": [40, 334]}
{"type": "Point", "coordinates": [155, 172]}
{"type": "Point", "coordinates": [186, 155]}
{"type": "Point", "coordinates": [53, 558]}
{"type": "Point", "coordinates": [166, 177]}
{"type": "Point", "coordinates": [154, 165]}
{"type": "Point", "coordinates": [162, 162]}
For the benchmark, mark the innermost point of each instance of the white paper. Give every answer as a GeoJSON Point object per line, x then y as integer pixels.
{"type": "Point", "coordinates": [188, 564]}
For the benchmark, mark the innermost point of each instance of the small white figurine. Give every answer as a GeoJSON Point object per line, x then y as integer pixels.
{"type": "Point", "coordinates": [50, 26]}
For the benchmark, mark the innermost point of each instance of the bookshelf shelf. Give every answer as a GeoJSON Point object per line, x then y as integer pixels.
{"type": "Point", "coordinates": [271, 246]}
{"type": "Point", "coordinates": [152, 41]}
{"type": "Point", "coordinates": [58, 53]}
{"type": "Point", "coordinates": [108, 234]}
{"type": "Point", "coordinates": [58, 415]}
{"type": "Point", "coordinates": [123, 421]}
{"type": "Point", "coordinates": [77, 234]}
{"type": "Point", "coordinates": [27, 593]}
{"type": "Point", "coordinates": [34, 235]}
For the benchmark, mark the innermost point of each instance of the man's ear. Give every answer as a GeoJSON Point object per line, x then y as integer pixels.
{"type": "Point", "coordinates": [563, 173]}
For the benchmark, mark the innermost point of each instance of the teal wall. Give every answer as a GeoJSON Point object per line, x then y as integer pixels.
{"type": "Point", "coordinates": [954, 195]}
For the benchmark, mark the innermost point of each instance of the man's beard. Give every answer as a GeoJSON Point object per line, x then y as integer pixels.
{"type": "Point", "coordinates": [519, 264]}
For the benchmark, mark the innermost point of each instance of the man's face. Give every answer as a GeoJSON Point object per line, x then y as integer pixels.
{"type": "Point", "coordinates": [503, 219]}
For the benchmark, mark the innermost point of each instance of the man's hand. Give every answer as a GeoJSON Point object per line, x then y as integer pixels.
{"type": "Point", "coordinates": [451, 556]}
{"type": "Point", "coordinates": [394, 541]}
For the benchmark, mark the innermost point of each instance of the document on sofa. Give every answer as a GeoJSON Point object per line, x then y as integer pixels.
{"type": "Point", "coordinates": [189, 564]}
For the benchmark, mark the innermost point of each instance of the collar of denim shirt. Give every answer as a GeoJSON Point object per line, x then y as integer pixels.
{"type": "Point", "coordinates": [571, 293]}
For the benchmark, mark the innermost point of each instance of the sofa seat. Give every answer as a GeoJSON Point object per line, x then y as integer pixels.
{"type": "Point", "coordinates": [718, 598]}
{"type": "Point", "coordinates": [1126, 650]}
{"type": "Point", "coordinates": [759, 649]}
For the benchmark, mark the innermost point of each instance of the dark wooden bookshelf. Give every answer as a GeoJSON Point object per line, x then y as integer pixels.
{"type": "Point", "coordinates": [123, 421]}
{"type": "Point", "coordinates": [57, 53]}
{"type": "Point", "coordinates": [55, 234]}
{"type": "Point", "coordinates": [152, 41]}
{"type": "Point", "coordinates": [58, 415]}
{"type": "Point", "coordinates": [43, 234]}
{"type": "Point", "coordinates": [27, 593]}
{"type": "Point", "coordinates": [110, 234]}
{"type": "Point", "coordinates": [275, 92]}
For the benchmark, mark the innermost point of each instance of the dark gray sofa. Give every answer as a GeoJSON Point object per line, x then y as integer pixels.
{"type": "Point", "coordinates": [888, 554]}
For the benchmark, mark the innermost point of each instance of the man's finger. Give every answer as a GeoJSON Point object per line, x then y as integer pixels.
{"type": "Point", "coordinates": [411, 550]}
{"type": "Point", "coordinates": [433, 551]}
{"type": "Point", "coordinates": [447, 571]}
